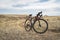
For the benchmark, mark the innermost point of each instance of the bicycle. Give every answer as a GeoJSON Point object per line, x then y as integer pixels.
{"type": "Point", "coordinates": [38, 24]}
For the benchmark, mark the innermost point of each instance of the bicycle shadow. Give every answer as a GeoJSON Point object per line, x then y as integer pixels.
{"type": "Point", "coordinates": [55, 30]}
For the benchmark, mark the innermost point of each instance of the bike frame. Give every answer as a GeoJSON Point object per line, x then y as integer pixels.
{"type": "Point", "coordinates": [33, 21]}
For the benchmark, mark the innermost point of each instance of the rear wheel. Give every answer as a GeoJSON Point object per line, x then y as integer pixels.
{"type": "Point", "coordinates": [40, 26]}
{"type": "Point", "coordinates": [27, 25]}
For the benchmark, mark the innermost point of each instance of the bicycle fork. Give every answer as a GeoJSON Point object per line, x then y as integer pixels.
{"type": "Point", "coordinates": [39, 24]}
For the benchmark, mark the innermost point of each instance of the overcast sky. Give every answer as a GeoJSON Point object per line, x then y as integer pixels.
{"type": "Point", "coordinates": [48, 7]}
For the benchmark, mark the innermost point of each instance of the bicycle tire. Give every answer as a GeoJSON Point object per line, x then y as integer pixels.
{"type": "Point", "coordinates": [27, 26]}
{"type": "Point", "coordinates": [44, 30]}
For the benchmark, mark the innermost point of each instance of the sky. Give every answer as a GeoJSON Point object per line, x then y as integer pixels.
{"type": "Point", "coordinates": [48, 7]}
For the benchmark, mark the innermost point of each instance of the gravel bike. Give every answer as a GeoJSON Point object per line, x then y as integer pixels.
{"type": "Point", "coordinates": [38, 24]}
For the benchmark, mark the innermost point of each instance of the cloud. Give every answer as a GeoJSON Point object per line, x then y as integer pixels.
{"type": "Point", "coordinates": [57, 1]}
{"type": "Point", "coordinates": [25, 4]}
{"type": "Point", "coordinates": [43, 0]}
{"type": "Point", "coordinates": [20, 5]}
{"type": "Point", "coordinates": [37, 5]}
{"type": "Point", "coordinates": [49, 7]}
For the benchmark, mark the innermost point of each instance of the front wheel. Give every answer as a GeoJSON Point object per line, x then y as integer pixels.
{"type": "Point", "coordinates": [40, 26]}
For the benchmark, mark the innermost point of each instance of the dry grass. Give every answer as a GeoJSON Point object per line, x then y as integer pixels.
{"type": "Point", "coordinates": [12, 28]}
